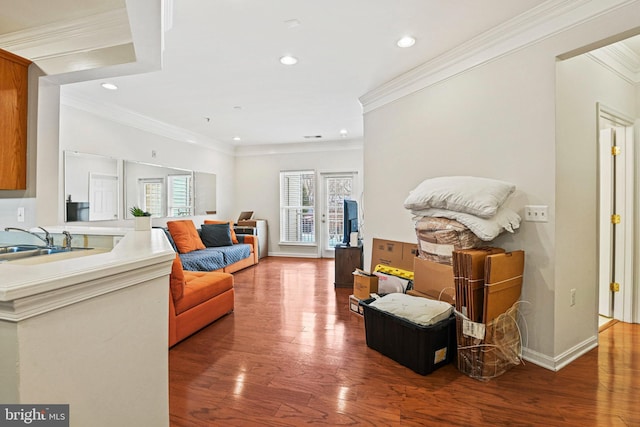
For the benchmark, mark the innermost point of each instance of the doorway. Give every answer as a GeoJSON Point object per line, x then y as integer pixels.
{"type": "Point", "coordinates": [103, 197]}
{"type": "Point", "coordinates": [616, 216]}
{"type": "Point", "coordinates": [335, 188]}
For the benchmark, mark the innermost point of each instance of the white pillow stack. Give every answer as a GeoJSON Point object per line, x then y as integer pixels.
{"type": "Point", "coordinates": [477, 203]}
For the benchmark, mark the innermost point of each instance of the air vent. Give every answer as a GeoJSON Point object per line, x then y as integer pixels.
{"type": "Point", "coordinates": [313, 136]}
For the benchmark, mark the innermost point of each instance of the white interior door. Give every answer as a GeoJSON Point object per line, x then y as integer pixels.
{"type": "Point", "coordinates": [616, 222]}
{"type": "Point", "coordinates": [335, 187]}
{"type": "Point", "coordinates": [103, 197]}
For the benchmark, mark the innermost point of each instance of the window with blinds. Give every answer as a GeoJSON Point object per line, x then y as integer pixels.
{"type": "Point", "coordinates": [151, 190]}
{"type": "Point", "coordinates": [297, 207]}
{"type": "Point", "coordinates": [179, 197]}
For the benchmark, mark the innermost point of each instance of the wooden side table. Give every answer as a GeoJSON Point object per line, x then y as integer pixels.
{"type": "Point", "coordinates": [348, 258]}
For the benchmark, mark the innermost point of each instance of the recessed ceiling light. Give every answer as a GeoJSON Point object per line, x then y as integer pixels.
{"type": "Point", "coordinates": [406, 41]}
{"type": "Point", "coordinates": [343, 133]}
{"type": "Point", "coordinates": [109, 86]}
{"type": "Point", "coordinates": [237, 138]}
{"type": "Point", "coordinates": [292, 23]}
{"type": "Point", "coordinates": [288, 60]}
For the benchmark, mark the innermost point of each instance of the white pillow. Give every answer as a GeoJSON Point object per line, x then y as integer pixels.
{"type": "Point", "coordinates": [423, 311]}
{"type": "Point", "coordinates": [476, 196]}
{"type": "Point", "coordinates": [485, 229]}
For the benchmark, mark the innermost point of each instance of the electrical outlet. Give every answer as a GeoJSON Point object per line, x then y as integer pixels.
{"type": "Point", "coordinates": [573, 298]}
{"type": "Point", "coordinates": [20, 214]}
{"type": "Point", "coordinates": [536, 213]}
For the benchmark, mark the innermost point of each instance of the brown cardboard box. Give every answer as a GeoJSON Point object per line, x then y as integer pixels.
{"type": "Point", "coordinates": [433, 279]}
{"type": "Point", "coordinates": [363, 286]}
{"type": "Point", "coordinates": [393, 254]}
{"type": "Point", "coordinates": [354, 305]}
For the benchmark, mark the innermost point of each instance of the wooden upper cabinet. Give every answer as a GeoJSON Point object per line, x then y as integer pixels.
{"type": "Point", "coordinates": [13, 121]}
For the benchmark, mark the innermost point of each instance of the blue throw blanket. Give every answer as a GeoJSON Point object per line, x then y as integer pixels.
{"type": "Point", "coordinates": [215, 258]}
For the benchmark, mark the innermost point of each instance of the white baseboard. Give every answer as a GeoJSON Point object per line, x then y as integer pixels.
{"type": "Point", "coordinates": [293, 255]}
{"type": "Point", "coordinates": [562, 360]}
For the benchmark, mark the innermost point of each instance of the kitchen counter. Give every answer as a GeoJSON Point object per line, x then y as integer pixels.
{"type": "Point", "coordinates": [90, 330]}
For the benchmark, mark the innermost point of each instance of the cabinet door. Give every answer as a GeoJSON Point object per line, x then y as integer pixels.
{"type": "Point", "coordinates": [13, 121]}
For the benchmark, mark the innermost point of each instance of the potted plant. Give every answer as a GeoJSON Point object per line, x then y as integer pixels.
{"type": "Point", "coordinates": [142, 218]}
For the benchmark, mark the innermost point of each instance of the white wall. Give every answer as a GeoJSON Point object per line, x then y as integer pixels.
{"type": "Point", "coordinates": [499, 120]}
{"type": "Point", "coordinates": [257, 180]}
{"type": "Point", "coordinates": [581, 84]}
{"type": "Point", "coordinates": [89, 133]}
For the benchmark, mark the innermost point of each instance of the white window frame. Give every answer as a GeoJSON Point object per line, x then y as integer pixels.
{"type": "Point", "coordinates": [143, 195]}
{"type": "Point", "coordinates": [294, 217]}
{"type": "Point", "coordinates": [185, 209]}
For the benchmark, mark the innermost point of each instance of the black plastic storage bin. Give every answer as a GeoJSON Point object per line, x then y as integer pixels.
{"type": "Point", "coordinates": [420, 348]}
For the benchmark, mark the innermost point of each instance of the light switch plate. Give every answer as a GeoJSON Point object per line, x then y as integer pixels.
{"type": "Point", "coordinates": [536, 213]}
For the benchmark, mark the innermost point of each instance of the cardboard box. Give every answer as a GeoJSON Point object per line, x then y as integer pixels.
{"type": "Point", "coordinates": [364, 286]}
{"type": "Point", "coordinates": [354, 305]}
{"type": "Point", "coordinates": [393, 254]}
{"type": "Point", "coordinates": [433, 279]}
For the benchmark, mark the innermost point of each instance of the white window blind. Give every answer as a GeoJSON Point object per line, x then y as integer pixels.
{"type": "Point", "coordinates": [151, 193]}
{"type": "Point", "coordinates": [179, 197]}
{"type": "Point", "coordinates": [297, 207]}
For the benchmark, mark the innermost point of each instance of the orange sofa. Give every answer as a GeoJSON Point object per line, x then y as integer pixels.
{"type": "Point", "coordinates": [197, 298]}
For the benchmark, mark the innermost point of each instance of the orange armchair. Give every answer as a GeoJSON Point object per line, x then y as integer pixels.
{"type": "Point", "coordinates": [197, 298]}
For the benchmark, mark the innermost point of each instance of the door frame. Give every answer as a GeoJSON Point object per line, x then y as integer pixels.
{"type": "Point", "coordinates": [322, 229]}
{"type": "Point", "coordinates": [627, 300]}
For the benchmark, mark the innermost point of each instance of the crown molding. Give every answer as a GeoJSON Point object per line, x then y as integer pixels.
{"type": "Point", "coordinates": [620, 60]}
{"type": "Point", "coordinates": [144, 123]}
{"type": "Point", "coordinates": [299, 147]}
{"type": "Point", "coordinates": [63, 38]}
{"type": "Point", "coordinates": [541, 22]}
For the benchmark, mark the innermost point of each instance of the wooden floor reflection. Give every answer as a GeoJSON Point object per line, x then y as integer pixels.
{"type": "Point", "coordinates": [293, 354]}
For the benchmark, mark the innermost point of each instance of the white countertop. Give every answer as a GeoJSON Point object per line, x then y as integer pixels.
{"type": "Point", "coordinates": [135, 251]}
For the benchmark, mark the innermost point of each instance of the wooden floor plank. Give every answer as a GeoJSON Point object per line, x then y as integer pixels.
{"type": "Point", "coordinates": [292, 354]}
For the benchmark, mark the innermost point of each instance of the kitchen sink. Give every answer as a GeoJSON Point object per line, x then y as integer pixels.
{"type": "Point", "coordinates": [10, 253]}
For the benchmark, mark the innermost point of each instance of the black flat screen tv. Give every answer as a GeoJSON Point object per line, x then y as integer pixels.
{"type": "Point", "coordinates": [350, 220]}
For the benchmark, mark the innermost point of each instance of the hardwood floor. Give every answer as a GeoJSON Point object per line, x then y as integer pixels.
{"type": "Point", "coordinates": [292, 354]}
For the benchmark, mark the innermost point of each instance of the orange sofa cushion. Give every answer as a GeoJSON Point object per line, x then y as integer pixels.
{"type": "Point", "coordinates": [201, 286]}
{"type": "Point", "coordinates": [185, 235]}
{"type": "Point", "coordinates": [234, 238]}
{"type": "Point", "coordinates": [176, 279]}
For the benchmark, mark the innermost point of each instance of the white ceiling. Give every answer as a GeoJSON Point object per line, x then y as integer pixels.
{"type": "Point", "coordinates": [221, 60]}
{"type": "Point", "coordinates": [223, 54]}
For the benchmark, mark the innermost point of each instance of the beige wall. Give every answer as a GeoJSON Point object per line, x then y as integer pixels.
{"type": "Point", "coordinates": [499, 120]}
{"type": "Point", "coordinates": [257, 183]}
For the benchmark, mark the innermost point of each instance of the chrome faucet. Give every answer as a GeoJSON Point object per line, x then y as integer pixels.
{"type": "Point", "coordinates": [67, 239]}
{"type": "Point", "coordinates": [48, 239]}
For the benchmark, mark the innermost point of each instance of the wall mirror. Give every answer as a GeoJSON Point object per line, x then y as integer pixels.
{"type": "Point", "coordinates": [159, 190]}
{"type": "Point", "coordinates": [91, 186]}
{"type": "Point", "coordinates": [205, 190]}
{"type": "Point", "coordinates": [104, 188]}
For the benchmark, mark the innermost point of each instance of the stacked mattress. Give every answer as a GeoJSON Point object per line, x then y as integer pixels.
{"type": "Point", "coordinates": [459, 212]}
{"type": "Point", "coordinates": [439, 237]}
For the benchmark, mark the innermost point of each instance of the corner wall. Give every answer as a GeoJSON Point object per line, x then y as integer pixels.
{"type": "Point", "coordinates": [498, 120]}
